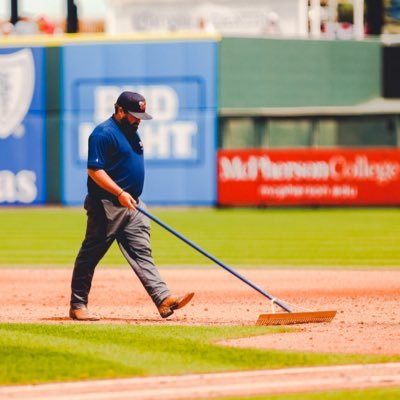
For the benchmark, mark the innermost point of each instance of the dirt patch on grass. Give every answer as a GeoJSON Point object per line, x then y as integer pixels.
{"type": "Point", "coordinates": [367, 303]}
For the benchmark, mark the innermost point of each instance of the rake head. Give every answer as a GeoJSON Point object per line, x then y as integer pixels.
{"type": "Point", "coordinates": [291, 318]}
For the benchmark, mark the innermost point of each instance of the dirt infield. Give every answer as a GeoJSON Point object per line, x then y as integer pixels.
{"type": "Point", "coordinates": [367, 302]}
{"type": "Point", "coordinates": [367, 323]}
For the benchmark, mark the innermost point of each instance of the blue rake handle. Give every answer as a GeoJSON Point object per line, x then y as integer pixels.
{"type": "Point", "coordinates": [211, 257]}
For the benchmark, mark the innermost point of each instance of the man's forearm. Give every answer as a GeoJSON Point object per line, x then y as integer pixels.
{"type": "Point", "coordinates": [104, 181]}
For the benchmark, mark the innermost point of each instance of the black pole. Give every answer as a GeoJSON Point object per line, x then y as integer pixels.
{"type": "Point", "coordinates": [72, 17]}
{"type": "Point", "coordinates": [14, 12]}
{"type": "Point", "coordinates": [374, 16]}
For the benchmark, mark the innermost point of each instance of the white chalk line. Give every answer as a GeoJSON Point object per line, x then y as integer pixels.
{"type": "Point", "coordinates": [230, 389]}
{"type": "Point", "coordinates": [175, 378]}
{"type": "Point", "coordinates": [199, 386]}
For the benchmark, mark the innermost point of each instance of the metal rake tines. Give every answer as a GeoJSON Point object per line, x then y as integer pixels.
{"type": "Point", "coordinates": [306, 317]}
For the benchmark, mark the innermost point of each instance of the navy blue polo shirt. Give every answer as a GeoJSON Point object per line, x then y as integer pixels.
{"type": "Point", "coordinates": [118, 154]}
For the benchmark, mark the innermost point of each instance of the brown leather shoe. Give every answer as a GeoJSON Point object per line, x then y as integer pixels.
{"type": "Point", "coordinates": [171, 303]}
{"type": "Point", "coordinates": [83, 314]}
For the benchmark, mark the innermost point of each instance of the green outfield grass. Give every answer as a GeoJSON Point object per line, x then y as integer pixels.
{"type": "Point", "coordinates": [34, 353]}
{"type": "Point", "coordinates": [351, 237]}
{"type": "Point", "coordinates": [367, 394]}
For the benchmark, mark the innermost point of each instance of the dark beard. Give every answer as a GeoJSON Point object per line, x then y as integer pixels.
{"type": "Point", "coordinates": [127, 128]}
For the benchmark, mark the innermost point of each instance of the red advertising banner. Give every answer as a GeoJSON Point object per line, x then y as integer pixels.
{"type": "Point", "coordinates": [309, 177]}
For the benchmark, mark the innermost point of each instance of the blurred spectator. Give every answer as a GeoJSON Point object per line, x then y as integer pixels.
{"type": "Point", "coordinates": [26, 26]}
{"type": "Point", "coordinates": [45, 26]}
{"type": "Point", "coordinates": [6, 28]}
{"type": "Point", "coordinates": [272, 24]}
{"type": "Point", "coordinates": [393, 10]}
{"type": "Point", "coordinates": [345, 31]}
{"type": "Point", "coordinates": [206, 26]}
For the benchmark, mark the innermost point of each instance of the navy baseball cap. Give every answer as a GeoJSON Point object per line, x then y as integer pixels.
{"type": "Point", "coordinates": [134, 103]}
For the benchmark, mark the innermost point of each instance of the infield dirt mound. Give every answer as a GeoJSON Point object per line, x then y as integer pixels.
{"type": "Point", "coordinates": [367, 302]}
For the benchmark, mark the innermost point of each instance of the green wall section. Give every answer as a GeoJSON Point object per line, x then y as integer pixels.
{"type": "Point", "coordinates": [53, 124]}
{"type": "Point", "coordinates": [297, 73]}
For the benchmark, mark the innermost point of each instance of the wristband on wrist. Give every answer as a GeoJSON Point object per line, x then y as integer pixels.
{"type": "Point", "coordinates": [122, 191]}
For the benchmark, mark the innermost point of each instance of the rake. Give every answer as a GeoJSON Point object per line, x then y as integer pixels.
{"type": "Point", "coordinates": [285, 317]}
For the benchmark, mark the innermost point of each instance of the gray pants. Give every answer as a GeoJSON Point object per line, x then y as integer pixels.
{"type": "Point", "coordinates": [105, 223]}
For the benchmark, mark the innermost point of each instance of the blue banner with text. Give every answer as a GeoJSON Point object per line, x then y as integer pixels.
{"type": "Point", "coordinates": [178, 80]}
{"type": "Point", "coordinates": [22, 128]}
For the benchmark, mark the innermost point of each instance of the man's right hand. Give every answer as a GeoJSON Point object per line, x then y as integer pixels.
{"type": "Point", "coordinates": [104, 181]}
{"type": "Point", "coordinates": [126, 200]}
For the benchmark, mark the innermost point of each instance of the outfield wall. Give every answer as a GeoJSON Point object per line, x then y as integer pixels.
{"type": "Point", "coordinates": [75, 85]}
{"type": "Point", "coordinates": [263, 73]}
{"type": "Point", "coordinates": [188, 82]}
{"type": "Point", "coordinates": [178, 80]}
{"type": "Point", "coordinates": [22, 126]}
{"type": "Point", "coordinates": [286, 177]}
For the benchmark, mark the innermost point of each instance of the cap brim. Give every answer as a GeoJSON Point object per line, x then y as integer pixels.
{"type": "Point", "coordinates": [142, 115]}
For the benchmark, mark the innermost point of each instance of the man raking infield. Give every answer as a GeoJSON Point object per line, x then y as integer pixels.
{"type": "Point", "coordinates": [115, 182]}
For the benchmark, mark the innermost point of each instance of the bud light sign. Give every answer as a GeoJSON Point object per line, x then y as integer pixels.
{"type": "Point", "coordinates": [309, 177]}
{"type": "Point", "coordinates": [178, 81]}
{"type": "Point", "coordinates": [173, 134]}
{"type": "Point", "coordinates": [22, 126]}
